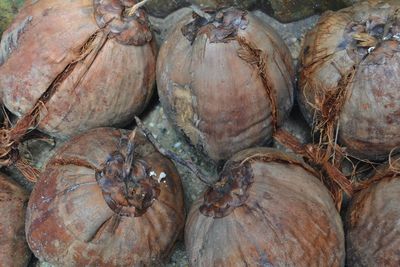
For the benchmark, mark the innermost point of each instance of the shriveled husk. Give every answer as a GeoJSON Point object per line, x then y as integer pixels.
{"type": "Point", "coordinates": [372, 221]}
{"type": "Point", "coordinates": [14, 250]}
{"type": "Point", "coordinates": [225, 82]}
{"type": "Point", "coordinates": [69, 66]}
{"type": "Point", "coordinates": [268, 209]}
{"type": "Point", "coordinates": [106, 198]}
{"type": "Point", "coordinates": [349, 78]}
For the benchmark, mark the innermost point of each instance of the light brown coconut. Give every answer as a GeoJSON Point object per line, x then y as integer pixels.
{"type": "Point", "coordinates": [69, 66]}
{"type": "Point", "coordinates": [268, 209]}
{"type": "Point", "coordinates": [14, 250]}
{"type": "Point", "coordinates": [106, 198]}
{"type": "Point", "coordinates": [372, 221]}
{"type": "Point", "coordinates": [349, 78]}
{"type": "Point", "coordinates": [225, 80]}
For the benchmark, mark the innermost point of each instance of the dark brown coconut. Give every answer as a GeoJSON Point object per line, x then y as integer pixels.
{"type": "Point", "coordinates": [349, 78]}
{"type": "Point", "coordinates": [76, 65]}
{"type": "Point", "coordinates": [268, 209]}
{"type": "Point", "coordinates": [14, 250]}
{"type": "Point", "coordinates": [91, 207]}
{"type": "Point", "coordinates": [372, 222]}
{"type": "Point", "coordinates": [225, 81]}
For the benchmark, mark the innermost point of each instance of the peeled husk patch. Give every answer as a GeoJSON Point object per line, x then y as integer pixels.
{"type": "Point", "coordinates": [14, 250]}
{"type": "Point", "coordinates": [98, 204]}
{"type": "Point", "coordinates": [349, 79]}
{"type": "Point", "coordinates": [268, 209]}
{"type": "Point", "coordinates": [372, 228]}
{"type": "Point", "coordinates": [225, 80]}
{"type": "Point", "coordinates": [67, 67]}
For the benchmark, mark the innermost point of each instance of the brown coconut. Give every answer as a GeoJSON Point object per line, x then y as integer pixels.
{"type": "Point", "coordinates": [70, 66]}
{"type": "Point", "coordinates": [268, 209]}
{"type": "Point", "coordinates": [106, 198]}
{"type": "Point", "coordinates": [14, 251]}
{"type": "Point", "coordinates": [348, 79]}
{"type": "Point", "coordinates": [225, 80]}
{"type": "Point", "coordinates": [372, 221]}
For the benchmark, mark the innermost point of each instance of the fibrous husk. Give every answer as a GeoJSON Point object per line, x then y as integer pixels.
{"type": "Point", "coordinates": [106, 198]}
{"type": "Point", "coordinates": [14, 250]}
{"type": "Point", "coordinates": [225, 80]}
{"type": "Point", "coordinates": [348, 80]}
{"type": "Point", "coordinates": [372, 228]}
{"type": "Point", "coordinates": [93, 65]}
{"type": "Point", "coordinates": [268, 209]}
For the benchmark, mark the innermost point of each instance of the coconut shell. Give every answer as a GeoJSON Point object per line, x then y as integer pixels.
{"type": "Point", "coordinates": [372, 228]}
{"type": "Point", "coordinates": [92, 65]}
{"type": "Point", "coordinates": [80, 213]}
{"type": "Point", "coordinates": [274, 212]}
{"type": "Point", "coordinates": [225, 83]}
{"type": "Point", "coordinates": [14, 250]}
{"type": "Point", "coordinates": [348, 79]}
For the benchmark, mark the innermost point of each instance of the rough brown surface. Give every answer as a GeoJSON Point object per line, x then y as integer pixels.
{"type": "Point", "coordinates": [92, 66]}
{"type": "Point", "coordinates": [350, 62]}
{"type": "Point", "coordinates": [69, 221]}
{"type": "Point", "coordinates": [227, 86]}
{"type": "Point", "coordinates": [288, 219]}
{"type": "Point", "coordinates": [14, 250]}
{"type": "Point", "coordinates": [372, 225]}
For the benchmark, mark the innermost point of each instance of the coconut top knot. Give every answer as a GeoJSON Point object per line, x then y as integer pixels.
{"type": "Point", "coordinates": [128, 185]}
{"type": "Point", "coordinates": [379, 27]}
{"type": "Point", "coordinates": [219, 26]}
{"type": "Point", "coordinates": [127, 29]}
{"type": "Point", "coordinates": [230, 192]}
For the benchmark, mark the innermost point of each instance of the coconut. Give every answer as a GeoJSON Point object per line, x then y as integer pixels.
{"type": "Point", "coordinates": [225, 80]}
{"type": "Point", "coordinates": [14, 250]}
{"type": "Point", "coordinates": [93, 65]}
{"type": "Point", "coordinates": [268, 209]}
{"type": "Point", "coordinates": [372, 220]}
{"type": "Point", "coordinates": [106, 198]}
{"type": "Point", "coordinates": [348, 79]}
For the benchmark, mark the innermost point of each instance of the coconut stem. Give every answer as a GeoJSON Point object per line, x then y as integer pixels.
{"type": "Point", "coordinates": [130, 149]}
{"type": "Point", "coordinates": [135, 7]}
{"type": "Point", "coordinates": [171, 155]}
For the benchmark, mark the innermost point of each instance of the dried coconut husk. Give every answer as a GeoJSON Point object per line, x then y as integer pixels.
{"type": "Point", "coordinates": [267, 196]}
{"type": "Point", "coordinates": [70, 66]}
{"type": "Point", "coordinates": [348, 79]}
{"type": "Point", "coordinates": [372, 228]}
{"type": "Point", "coordinates": [225, 80]}
{"type": "Point", "coordinates": [14, 250]}
{"type": "Point", "coordinates": [106, 198]}
{"type": "Point", "coordinates": [315, 155]}
{"type": "Point", "coordinates": [268, 209]}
